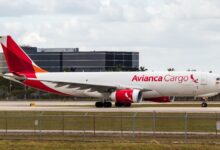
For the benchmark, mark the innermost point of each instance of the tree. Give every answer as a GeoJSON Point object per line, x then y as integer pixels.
{"type": "Point", "coordinates": [171, 69]}
{"type": "Point", "coordinates": [142, 68]}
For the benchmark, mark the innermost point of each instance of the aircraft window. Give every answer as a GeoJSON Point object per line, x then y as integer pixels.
{"type": "Point", "coordinates": [218, 79]}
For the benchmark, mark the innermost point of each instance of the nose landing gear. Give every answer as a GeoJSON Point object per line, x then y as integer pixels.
{"type": "Point", "coordinates": [204, 103]}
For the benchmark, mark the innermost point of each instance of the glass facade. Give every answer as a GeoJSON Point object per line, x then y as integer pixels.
{"type": "Point", "coordinates": [50, 61]}
{"type": "Point", "coordinates": [3, 65]}
{"type": "Point", "coordinates": [121, 60]}
{"type": "Point", "coordinates": [63, 59]}
{"type": "Point", "coordinates": [84, 61]}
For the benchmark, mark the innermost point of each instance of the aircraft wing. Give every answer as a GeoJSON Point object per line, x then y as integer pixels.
{"type": "Point", "coordinates": [91, 87]}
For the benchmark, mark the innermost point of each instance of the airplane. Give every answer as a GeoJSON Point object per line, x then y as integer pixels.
{"type": "Point", "coordinates": [124, 88]}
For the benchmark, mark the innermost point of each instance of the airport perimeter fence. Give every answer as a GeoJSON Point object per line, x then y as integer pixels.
{"type": "Point", "coordinates": [100, 126]}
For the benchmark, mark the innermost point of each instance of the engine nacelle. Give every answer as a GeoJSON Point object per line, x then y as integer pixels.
{"type": "Point", "coordinates": [163, 99]}
{"type": "Point", "coordinates": [127, 96]}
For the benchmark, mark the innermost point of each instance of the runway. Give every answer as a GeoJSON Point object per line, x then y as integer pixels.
{"type": "Point", "coordinates": [89, 107]}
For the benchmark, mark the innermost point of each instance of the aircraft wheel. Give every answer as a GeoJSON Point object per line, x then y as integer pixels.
{"type": "Point", "coordinates": [117, 104]}
{"type": "Point", "coordinates": [99, 104]}
{"type": "Point", "coordinates": [204, 104]}
{"type": "Point", "coordinates": [127, 105]}
{"type": "Point", "coordinates": [108, 104]}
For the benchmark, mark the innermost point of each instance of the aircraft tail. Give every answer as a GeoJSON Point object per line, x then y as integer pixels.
{"type": "Point", "coordinates": [17, 60]}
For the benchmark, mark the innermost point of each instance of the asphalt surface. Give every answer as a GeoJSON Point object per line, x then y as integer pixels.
{"type": "Point", "coordinates": [72, 106]}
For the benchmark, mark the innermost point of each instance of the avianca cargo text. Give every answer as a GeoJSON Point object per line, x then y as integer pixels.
{"type": "Point", "coordinates": [166, 78]}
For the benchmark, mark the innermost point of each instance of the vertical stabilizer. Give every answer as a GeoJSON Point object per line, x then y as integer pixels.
{"type": "Point", "coordinates": [17, 60]}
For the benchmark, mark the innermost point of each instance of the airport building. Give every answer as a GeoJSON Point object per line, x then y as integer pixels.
{"type": "Point", "coordinates": [71, 59]}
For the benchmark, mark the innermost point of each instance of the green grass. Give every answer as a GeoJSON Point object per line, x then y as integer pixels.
{"type": "Point", "coordinates": [108, 121]}
{"type": "Point", "coordinates": [51, 145]}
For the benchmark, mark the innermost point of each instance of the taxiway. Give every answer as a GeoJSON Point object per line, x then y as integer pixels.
{"type": "Point", "coordinates": [61, 106]}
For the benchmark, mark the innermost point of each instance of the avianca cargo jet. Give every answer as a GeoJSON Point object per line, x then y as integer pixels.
{"type": "Point", "coordinates": [124, 88]}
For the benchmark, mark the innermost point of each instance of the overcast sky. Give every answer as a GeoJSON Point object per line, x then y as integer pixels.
{"type": "Point", "coordinates": [168, 33]}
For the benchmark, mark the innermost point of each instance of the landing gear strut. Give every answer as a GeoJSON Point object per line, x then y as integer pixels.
{"type": "Point", "coordinates": [101, 104]}
{"type": "Point", "coordinates": [204, 103]}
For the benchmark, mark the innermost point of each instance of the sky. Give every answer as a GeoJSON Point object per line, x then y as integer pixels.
{"type": "Point", "coordinates": [180, 34]}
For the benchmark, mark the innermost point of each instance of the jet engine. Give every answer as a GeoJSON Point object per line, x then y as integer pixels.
{"type": "Point", "coordinates": [126, 97]}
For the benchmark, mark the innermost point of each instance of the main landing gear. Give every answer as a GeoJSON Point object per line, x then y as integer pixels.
{"type": "Point", "coordinates": [118, 104]}
{"type": "Point", "coordinates": [204, 103]}
{"type": "Point", "coordinates": [106, 104]}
